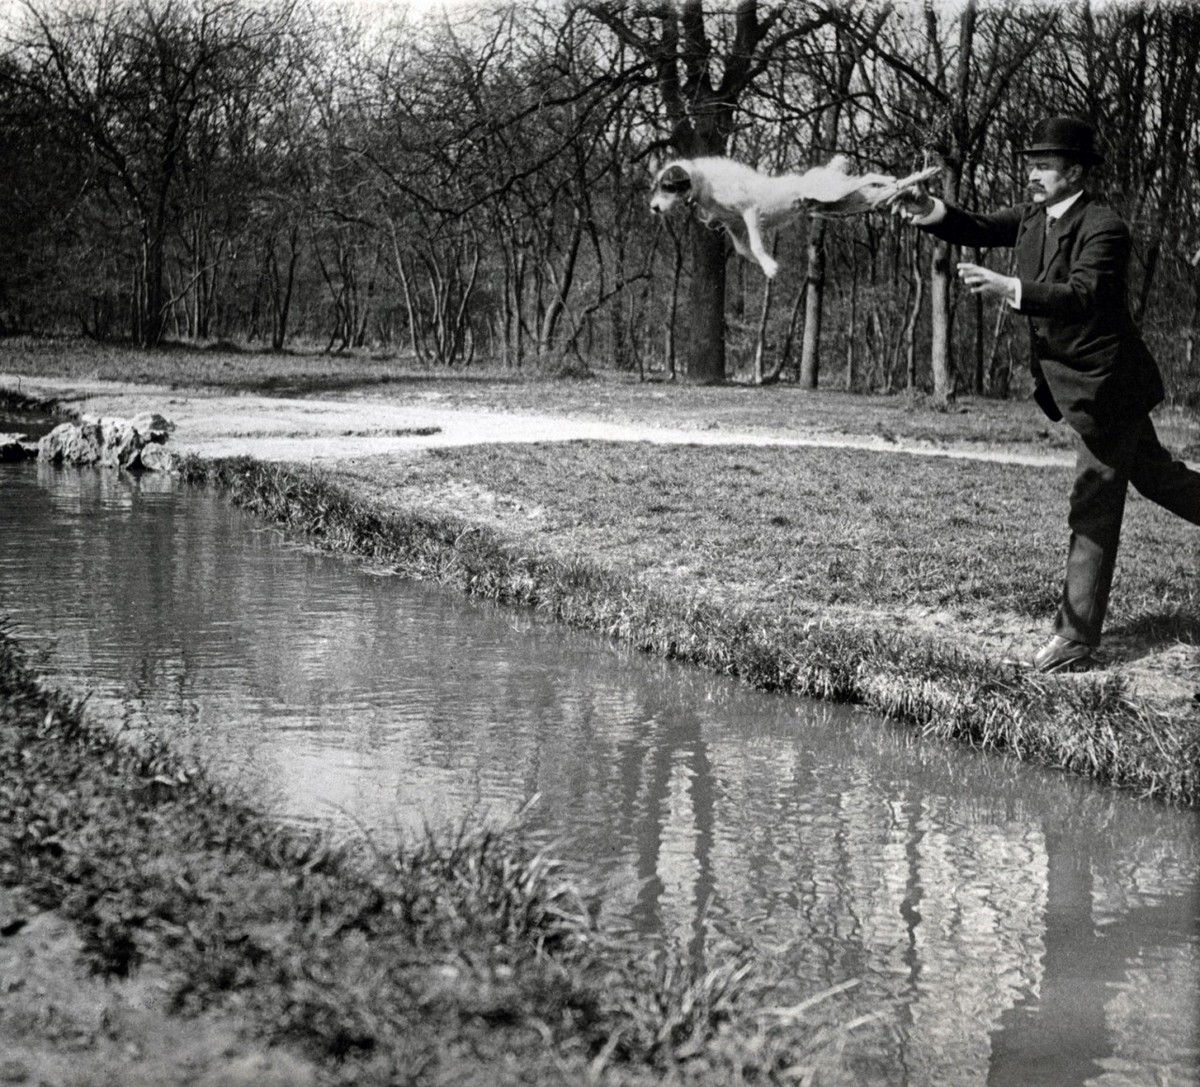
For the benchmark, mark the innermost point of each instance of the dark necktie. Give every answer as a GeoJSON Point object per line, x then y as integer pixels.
{"type": "Point", "coordinates": [1049, 243]}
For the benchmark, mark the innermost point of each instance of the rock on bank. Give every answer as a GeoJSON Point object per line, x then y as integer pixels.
{"type": "Point", "coordinates": [111, 442]}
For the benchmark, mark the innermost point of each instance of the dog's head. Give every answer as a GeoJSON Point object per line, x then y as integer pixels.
{"type": "Point", "coordinates": [672, 186]}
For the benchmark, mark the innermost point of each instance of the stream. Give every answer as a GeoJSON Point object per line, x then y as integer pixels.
{"type": "Point", "coordinates": [1005, 924]}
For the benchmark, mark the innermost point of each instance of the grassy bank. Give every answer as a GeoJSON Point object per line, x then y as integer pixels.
{"type": "Point", "coordinates": [799, 601]}
{"type": "Point", "coordinates": [461, 959]}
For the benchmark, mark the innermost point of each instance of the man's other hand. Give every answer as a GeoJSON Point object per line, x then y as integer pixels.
{"type": "Point", "coordinates": [980, 280]}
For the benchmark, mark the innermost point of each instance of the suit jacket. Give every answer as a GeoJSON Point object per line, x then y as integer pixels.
{"type": "Point", "coordinates": [1090, 364]}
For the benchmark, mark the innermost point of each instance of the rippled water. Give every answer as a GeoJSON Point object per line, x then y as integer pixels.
{"type": "Point", "coordinates": [1006, 925]}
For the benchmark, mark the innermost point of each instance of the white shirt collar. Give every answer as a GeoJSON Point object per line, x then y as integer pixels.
{"type": "Point", "coordinates": [1058, 210]}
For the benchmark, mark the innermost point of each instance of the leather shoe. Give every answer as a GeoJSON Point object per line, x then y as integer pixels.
{"type": "Point", "coordinates": [1061, 654]}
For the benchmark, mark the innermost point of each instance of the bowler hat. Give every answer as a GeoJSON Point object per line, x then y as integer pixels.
{"type": "Point", "coordinates": [1065, 136]}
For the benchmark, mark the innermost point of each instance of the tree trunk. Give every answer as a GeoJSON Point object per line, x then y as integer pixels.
{"type": "Point", "coordinates": [279, 330]}
{"type": "Point", "coordinates": [785, 351]}
{"type": "Point", "coordinates": [671, 346]}
{"type": "Point", "coordinates": [154, 297]}
{"type": "Point", "coordinates": [979, 363]}
{"type": "Point", "coordinates": [562, 286]}
{"type": "Point", "coordinates": [853, 328]}
{"type": "Point", "coordinates": [814, 297]}
{"type": "Point", "coordinates": [706, 341]}
{"type": "Point", "coordinates": [1193, 329]}
{"type": "Point", "coordinates": [940, 359]}
{"type": "Point", "coordinates": [999, 379]}
{"type": "Point", "coordinates": [914, 318]}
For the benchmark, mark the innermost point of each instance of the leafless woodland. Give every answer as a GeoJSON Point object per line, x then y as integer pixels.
{"type": "Point", "coordinates": [472, 186]}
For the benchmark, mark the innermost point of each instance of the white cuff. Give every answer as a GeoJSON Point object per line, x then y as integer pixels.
{"type": "Point", "coordinates": [1015, 301]}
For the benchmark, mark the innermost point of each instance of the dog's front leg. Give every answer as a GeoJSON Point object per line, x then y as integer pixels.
{"type": "Point", "coordinates": [757, 249]}
{"type": "Point", "coordinates": [736, 229]}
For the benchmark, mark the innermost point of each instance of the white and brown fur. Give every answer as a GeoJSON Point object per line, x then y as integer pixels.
{"type": "Point", "coordinates": [747, 203]}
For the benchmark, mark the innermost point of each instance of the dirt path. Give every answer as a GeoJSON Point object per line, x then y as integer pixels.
{"type": "Point", "coordinates": [331, 429]}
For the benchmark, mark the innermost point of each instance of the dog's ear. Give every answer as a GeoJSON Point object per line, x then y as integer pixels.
{"type": "Point", "coordinates": [674, 178]}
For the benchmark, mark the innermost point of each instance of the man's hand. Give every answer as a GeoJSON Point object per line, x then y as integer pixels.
{"type": "Point", "coordinates": [911, 203]}
{"type": "Point", "coordinates": [980, 280]}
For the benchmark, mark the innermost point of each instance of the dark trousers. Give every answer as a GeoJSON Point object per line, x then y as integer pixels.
{"type": "Point", "coordinates": [1106, 466]}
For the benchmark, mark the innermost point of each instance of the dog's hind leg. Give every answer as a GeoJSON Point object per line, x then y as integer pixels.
{"type": "Point", "coordinates": [757, 250]}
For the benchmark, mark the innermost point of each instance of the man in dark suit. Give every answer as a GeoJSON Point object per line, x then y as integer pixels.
{"type": "Point", "coordinates": [1090, 365]}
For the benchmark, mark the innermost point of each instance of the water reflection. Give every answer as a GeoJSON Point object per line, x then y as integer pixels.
{"type": "Point", "coordinates": [1009, 926]}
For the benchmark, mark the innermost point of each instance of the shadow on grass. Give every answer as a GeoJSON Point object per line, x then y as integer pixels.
{"type": "Point", "coordinates": [1150, 633]}
{"type": "Point", "coordinates": [305, 384]}
{"type": "Point", "coordinates": [17, 402]}
{"type": "Point", "coordinates": [312, 384]}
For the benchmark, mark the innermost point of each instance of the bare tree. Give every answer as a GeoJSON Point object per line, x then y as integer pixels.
{"type": "Point", "coordinates": [699, 113]}
{"type": "Point", "coordinates": [855, 33]}
{"type": "Point", "coordinates": [131, 80]}
{"type": "Point", "coordinates": [960, 78]}
{"type": "Point", "coordinates": [45, 176]}
{"type": "Point", "coordinates": [226, 168]}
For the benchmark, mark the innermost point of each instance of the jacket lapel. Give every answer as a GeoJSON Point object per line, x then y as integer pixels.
{"type": "Point", "coordinates": [1028, 248]}
{"type": "Point", "coordinates": [1063, 230]}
